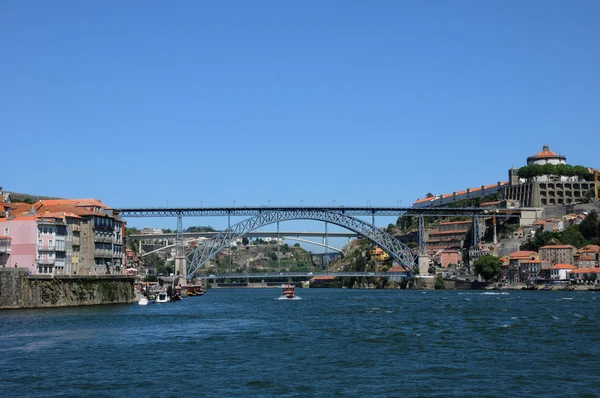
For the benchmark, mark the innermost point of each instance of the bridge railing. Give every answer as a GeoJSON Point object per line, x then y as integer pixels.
{"type": "Point", "coordinates": [282, 275]}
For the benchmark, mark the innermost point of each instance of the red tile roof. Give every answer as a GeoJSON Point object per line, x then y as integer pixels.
{"type": "Point", "coordinates": [546, 153]}
{"type": "Point", "coordinates": [18, 218]}
{"type": "Point", "coordinates": [397, 268]}
{"type": "Point", "coordinates": [590, 249]}
{"type": "Point", "coordinates": [490, 203]}
{"type": "Point", "coordinates": [457, 193]}
{"type": "Point", "coordinates": [558, 247]}
{"type": "Point", "coordinates": [586, 271]}
{"type": "Point", "coordinates": [456, 222]}
{"type": "Point", "coordinates": [453, 231]}
{"type": "Point", "coordinates": [587, 257]}
{"type": "Point", "coordinates": [563, 266]}
{"type": "Point", "coordinates": [426, 199]}
{"type": "Point", "coordinates": [522, 254]}
{"type": "Point", "coordinates": [323, 278]}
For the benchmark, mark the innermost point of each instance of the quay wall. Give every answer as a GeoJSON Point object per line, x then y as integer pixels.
{"type": "Point", "coordinates": [18, 289]}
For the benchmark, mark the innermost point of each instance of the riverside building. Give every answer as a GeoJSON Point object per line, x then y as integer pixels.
{"type": "Point", "coordinates": [79, 236]}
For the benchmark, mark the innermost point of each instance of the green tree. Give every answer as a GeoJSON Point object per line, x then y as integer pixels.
{"type": "Point", "coordinates": [589, 227]}
{"type": "Point", "coordinates": [406, 222]}
{"type": "Point", "coordinates": [201, 228]}
{"type": "Point", "coordinates": [572, 236]}
{"type": "Point", "coordinates": [541, 238]}
{"type": "Point", "coordinates": [245, 241]}
{"type": "Point", "coordinates": [488, 266]}
{"type": "Point", "coordinates": [439, 283]}
{"type": "Point", "coordinates": [150, 278]}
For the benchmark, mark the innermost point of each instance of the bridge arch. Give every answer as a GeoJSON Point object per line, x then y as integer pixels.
{"type": "Point", "coordinates": [396, 249]}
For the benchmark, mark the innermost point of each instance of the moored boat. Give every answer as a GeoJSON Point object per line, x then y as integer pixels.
{"type": "Point", "coordinates": [163, 297]}
{"type": "Point", "coordinates": [146, 301]}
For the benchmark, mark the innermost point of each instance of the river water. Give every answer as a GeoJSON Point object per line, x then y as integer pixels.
{"type": "Point", "coordinates": [333, 342]}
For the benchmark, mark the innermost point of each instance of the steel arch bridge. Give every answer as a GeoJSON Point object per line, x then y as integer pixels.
{"type": "Point", "coordinates": [396, 249]}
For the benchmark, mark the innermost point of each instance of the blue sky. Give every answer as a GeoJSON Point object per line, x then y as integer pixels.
{"type": "Point", "coordinates": [144, 103]}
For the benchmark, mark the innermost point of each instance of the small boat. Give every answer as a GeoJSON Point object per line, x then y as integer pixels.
{"type": "Point", "coordinates": [146, 301]}
{"type": "Point", "coordinates": [546, 288]}
{"type": "Point", "coordinates": [289, 293]}
{"type": "Point", "coordinates": [163, 297]}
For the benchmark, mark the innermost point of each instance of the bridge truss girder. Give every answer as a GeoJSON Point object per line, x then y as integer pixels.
{"type": "Point", "coordinates": [396, 249]}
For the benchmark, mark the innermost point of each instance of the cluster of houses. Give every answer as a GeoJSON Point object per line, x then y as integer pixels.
{"type": "Point", "coordinates": [61, 236]}
{"type": "Point", "coordinates": [552, 263]}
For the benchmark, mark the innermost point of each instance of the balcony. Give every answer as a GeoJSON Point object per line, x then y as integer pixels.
{"type": "Point", "coordinates": [5, 248]}
{"type": "Point", "coordinates": [102, 254]}
{"type": "Point", "coordinates": [47, 248]}
{"type": "Point", "coordinates": [103, 238]}
{"type": "Point", "coordinates": [46, 261]}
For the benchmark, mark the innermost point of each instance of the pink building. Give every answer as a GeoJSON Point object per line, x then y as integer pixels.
{"type": "Point", "coordinates": [5, 249]}
{"type": "Point", "coordinates": [450, 256]}
{"type": "Point", "coordinates": [23, 231]}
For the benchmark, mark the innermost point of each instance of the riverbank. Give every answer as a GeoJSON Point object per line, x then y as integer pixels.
{"type": "Point", "coordinates": [20, 290]}
{"type": "Point", "coordinates": [522, 286]}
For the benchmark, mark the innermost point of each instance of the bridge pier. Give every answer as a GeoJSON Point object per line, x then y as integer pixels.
{"type": "Point", "coordinates": [423, 264]}
{"type": "Point", "coordinates": [181, 269]}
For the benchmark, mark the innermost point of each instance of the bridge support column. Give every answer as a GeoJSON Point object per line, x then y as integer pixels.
{"type": "Point", "coordinates": [423, 264]}
{"type": "Point", "coordinates": [181, 269]}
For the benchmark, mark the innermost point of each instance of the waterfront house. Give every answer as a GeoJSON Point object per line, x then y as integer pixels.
{"type": "Point", "coordinates": [80, 236]}
{"type": "Point", "coordinates": [101, 234]}
{"type": "Point", "coordinates": [399, 273]}
{"type": "Point", "coordinates": [23, 231]}
{"type": "Point", "coordinates": [530, 271]}
{"type": "Point", "coordinates": [513, 271]}
{"type": "Point", "coordinates": [586, 261]}
{"type": "Point", "coordinates": [581, 275]}
{"type": "Point", "coordinates": [590, 250]}
{"type": "Point", "coordinates": [558, 272]}
{"type": "Point", "coordinates": [558, 254]}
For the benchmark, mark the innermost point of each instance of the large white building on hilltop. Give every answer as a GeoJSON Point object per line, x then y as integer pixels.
{"type": "Point", "coordinates": [534, 190]}
{"type": "Point", "coordinates": [546, 189]}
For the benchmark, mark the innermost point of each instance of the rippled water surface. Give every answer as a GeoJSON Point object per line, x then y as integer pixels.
{"type": "Point", "coordinates": [244, 342]}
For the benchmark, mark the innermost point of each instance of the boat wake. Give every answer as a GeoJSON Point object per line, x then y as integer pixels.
{"type": "Point", "coordinates": [286, 298]}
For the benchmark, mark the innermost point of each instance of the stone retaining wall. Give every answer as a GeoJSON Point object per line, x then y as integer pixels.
{"type": "Point", "coordinates": [18, 289]}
